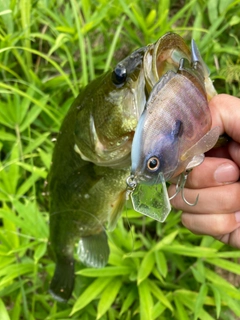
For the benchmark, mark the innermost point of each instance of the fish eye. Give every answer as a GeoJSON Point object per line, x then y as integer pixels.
{"type": "Point", "coordinates": [119, 75]}
{"type": "Point", "coordinates": [153, 164]}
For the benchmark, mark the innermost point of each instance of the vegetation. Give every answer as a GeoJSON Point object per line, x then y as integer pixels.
{"type": "Point", "coordinates": [49, 49]}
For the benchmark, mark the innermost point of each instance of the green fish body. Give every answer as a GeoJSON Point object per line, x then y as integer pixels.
{"type": "Point", "coordinates": [90, 164]}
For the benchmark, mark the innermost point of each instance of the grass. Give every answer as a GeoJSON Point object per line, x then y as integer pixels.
{"type": "Point", "coordinates": [49, 50]}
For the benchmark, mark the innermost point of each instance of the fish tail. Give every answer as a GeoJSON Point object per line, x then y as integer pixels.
{"type": "Point", "coordinates": [93, 250]}
{"type": "Point", "coordinates": [62, 283]}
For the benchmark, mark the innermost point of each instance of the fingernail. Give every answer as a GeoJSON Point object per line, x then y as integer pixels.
{"type": "Point", "coordinates": [237, 216]}
{"type": "Point", "coordinates": [226, 172]}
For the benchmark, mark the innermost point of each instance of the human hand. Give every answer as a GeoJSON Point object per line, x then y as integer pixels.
{"type": "Point", "coordinates": [216, 180]}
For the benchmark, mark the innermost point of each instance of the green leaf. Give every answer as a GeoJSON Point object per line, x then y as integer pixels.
{"type": "Point", "coordinates": [12, 237]}
{"type": "Point", "coordinates": [45, 157]}
{"type": "Point", "coordinates": [188, 251]}
{"type": "Point", "coordinates": [17, 308]}
{"type": "Point", "coordinates": [113, 45]}
{"type": "Point", "coordinates": [199, 271]}
{"type": "Point", "coordinates": [139, 17]}
{"type": "Point", "coordinates": [161, 263]}
{"type": "Point", "coordinates": [31, 116]}
{"type": "Point", "coordinates": [14, 271]}
{"type": "Point", "coordinates": [128, 301]}
{"type": "Point", "coordinates": [6, 15]}
{"type": "Point", "coordinates": [225, 264]}
{"type": "Point", "coordinates": [151, 17]}
{"type": "Point", "coordinates": [105, 272]}
{"type": "Point", "coordinates": [166, 241]}
{"type": "Point", "coordinates": [146, 302]}
{"type": "Point", "coordinates": [40, 172]}
{"type": "Point", "coordinates": [212, 10]}
{"type": "Point", "coordinates": [181, 311]}
{"type": "Point", "coordinates": [146, 267]}
{"type": "Point", "coordinates": [3, 311]}
{"type": "Point", "coordinates": [108, 296]}
{"type": "Point", "coordinates": [188, 298]}
{"type": "Point", "coordinates": [6, 136]}
{"type": "Point", "coordinates": [28, 184]}
{"type": "Point", "coordinates": [36, 142]}
{"type": "Point", "coordinates": [229, 254]}
{"type": "Point", "coordinates": [223, 5]}
{"type": "Point", "coordinates": [200, 300]}
{"type": "Point", "coordinates": [92, 292]}
{"type": "Point", "coordinates": [231, 303]}
{"type": "Point", "coordinates": [216, 279]}
{"type": "Point", "coordinates": [10, 173]}
{"type": "Point", "coordinates": [157, 292]}
{"type": "Point", "coordinates": [40, 251]}
{"type": "Point", "coordinates": [29, 219]}
{"type": "Point", "coordinates": [217, 298]}
{"type": "Point", "coordinates": [158, 310]}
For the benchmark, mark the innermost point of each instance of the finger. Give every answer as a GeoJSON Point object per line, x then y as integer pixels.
{"type": "Point", "coordinates": [215, 225]}
{"type": "Point", "coordinates": [234, 151]}
{"type": "Point", "coordinates": [213, 172]}
{"type": "Point", "coordinates": [233, 238]}
{"type": "Point", "coordinates": [224, 227]}
{"type": "Point", "coordinates": [222, 199]}
{"type": "Point", "coordinates": [225, 110]}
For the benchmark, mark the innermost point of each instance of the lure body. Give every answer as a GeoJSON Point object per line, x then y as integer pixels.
{"type": "Point", "coordinates": [174, 130]}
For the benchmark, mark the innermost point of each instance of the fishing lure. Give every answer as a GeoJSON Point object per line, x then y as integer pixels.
{"type": "Point", "coordinates": [172, 135]}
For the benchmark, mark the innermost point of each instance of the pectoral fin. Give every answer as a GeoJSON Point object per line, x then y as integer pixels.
{"type": "Point", "coordinates": [93, 250]}
{"type": "Point", "coordinates": [117, 210]}
{"type": "Point", "coordinates": [203, 145]}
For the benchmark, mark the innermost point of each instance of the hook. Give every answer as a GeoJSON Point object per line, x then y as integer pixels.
{"type": "Point", "coordinates": [180, 187]}
{"type": "Point", "coordinates": [185, 176]}
{"type": "Point", "coordinates": [131, 185]}
{"type": "Point", "coordinates": [187, 202]}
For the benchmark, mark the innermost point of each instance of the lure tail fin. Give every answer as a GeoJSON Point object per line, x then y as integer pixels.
{"type": "Point", "coordinates": [196, 56]}
{"type": "Point", "coordinates": [62, 283]}
{"type": "Point", "coordinates": [93, 250]}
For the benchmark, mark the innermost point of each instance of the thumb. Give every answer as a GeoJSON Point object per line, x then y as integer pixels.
{"type": "Point", "coordinates": [234, 151]}
{"type": "Point", "coordinates": [225, 110]}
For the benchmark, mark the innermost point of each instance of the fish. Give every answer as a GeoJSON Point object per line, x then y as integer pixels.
{"type": "Point", "coordinates": [172, 135]}
{"type": "Point", "coordinates": [92, 158]}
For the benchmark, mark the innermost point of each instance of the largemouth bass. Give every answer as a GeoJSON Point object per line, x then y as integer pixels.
{"type": "Point", "coordinates": [92, 157]}
{"type": "Point", "coordinates": [173, 133]}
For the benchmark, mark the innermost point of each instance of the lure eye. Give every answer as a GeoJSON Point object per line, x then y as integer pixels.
{"type": "Point", "coordinates": [119, 76]}
{"type": "Point", "coordinates": [153, 164]}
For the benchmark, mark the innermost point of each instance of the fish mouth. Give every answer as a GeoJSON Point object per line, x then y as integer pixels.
{"type": "Point", "coordinates": [162, 56]}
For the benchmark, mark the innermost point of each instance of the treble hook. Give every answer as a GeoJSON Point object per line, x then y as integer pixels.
{"type": "Point", "coordinates": [187, 202]}
{"type": "Point", "coordinates": [131, 185]}
{"type": "Point", "coordinates": [180, 187]}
